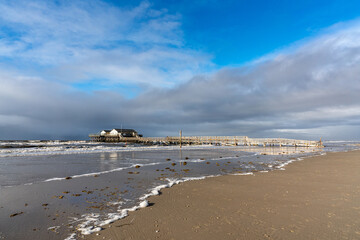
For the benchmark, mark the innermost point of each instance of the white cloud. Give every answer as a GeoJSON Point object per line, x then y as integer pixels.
{"type": "Point", "coordinates": [83, 40]}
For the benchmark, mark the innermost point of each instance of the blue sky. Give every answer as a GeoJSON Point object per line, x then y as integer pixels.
{"type": "Point", "coordinates": [257, 68]}
{"type": "Point", "coordinates": [236, 32]}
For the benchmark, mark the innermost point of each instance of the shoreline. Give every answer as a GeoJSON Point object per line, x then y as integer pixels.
{"type": "Point", "coordinates": [213, 208]}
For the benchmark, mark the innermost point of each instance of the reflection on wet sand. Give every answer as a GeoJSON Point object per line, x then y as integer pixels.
{"type": "Point", "coordinates": [280, 150]}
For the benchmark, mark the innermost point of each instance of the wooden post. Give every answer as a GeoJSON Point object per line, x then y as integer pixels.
{"type": "Point", "coordinates": [180, 137]}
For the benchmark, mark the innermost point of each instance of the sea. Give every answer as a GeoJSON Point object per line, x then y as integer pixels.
{"type": "Point", "coordinates": [68, 189]}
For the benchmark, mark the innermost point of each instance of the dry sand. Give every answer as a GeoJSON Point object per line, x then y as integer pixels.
{"type": "Point", "coordinates": [318, 198]}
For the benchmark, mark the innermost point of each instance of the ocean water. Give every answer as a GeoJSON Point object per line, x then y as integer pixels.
{"type": "Point", "coordinates": [63, 189]}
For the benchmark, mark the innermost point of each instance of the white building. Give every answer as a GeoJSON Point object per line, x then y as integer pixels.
{"type": "Point", "coordinates": [105, 132]}
{"type": "Point", "coordinates": [123, 132]}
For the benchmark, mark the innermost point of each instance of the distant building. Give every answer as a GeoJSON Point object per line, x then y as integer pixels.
{"type": "Point", "coordinates": [123, 132]}
{"type": "Point", "coordinates": [116, 135]}
{"type": "Point", "coordinates": [105, 132]}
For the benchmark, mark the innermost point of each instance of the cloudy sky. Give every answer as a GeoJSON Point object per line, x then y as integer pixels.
{"type": "Point", "coordinates": [281, 69]}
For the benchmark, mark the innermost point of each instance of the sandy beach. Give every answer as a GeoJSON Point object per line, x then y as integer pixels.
{"type": "Point", "coordinates": [317, 198]}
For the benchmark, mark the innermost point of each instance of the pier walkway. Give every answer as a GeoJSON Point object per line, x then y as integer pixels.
{"type": "Point", "coordinates": [213, 140]}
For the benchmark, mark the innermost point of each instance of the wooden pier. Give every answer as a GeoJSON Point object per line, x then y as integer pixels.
{"type": "Point", "coordinates": [209, 140]}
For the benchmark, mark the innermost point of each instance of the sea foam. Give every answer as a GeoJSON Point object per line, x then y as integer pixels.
{"type": "Point", "coordinates": [91, 222]}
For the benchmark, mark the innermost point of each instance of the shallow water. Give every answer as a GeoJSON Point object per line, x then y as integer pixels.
{"type": "Point", "coordinates": [105, 180]}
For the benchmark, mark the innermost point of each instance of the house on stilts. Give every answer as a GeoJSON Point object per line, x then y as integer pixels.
{"type": "Point", "coordinates": [115, 135]}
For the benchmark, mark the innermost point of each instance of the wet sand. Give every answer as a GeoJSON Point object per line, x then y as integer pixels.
{"type": "Point", "coordinates": [317, 198]}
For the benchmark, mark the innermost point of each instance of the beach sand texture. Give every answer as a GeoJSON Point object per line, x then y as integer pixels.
{"type": "Point", "coordinates": [317, 198]}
